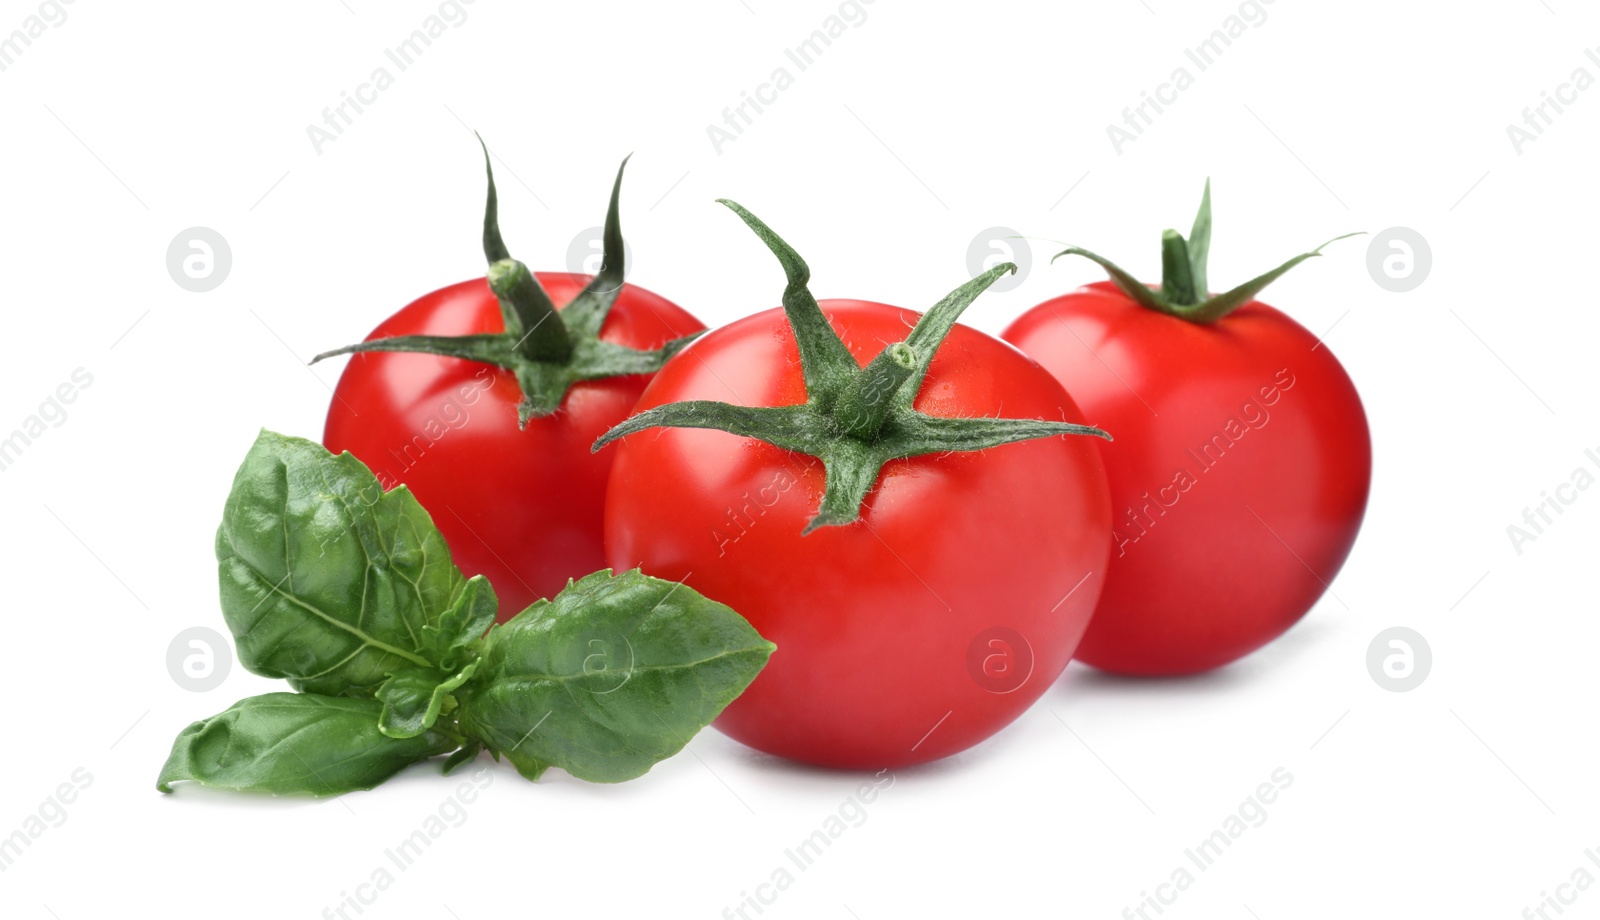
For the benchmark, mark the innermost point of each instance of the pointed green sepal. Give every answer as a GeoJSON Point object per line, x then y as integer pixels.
{"type": "Point", "coordinates": [929, 434]}
{"type": "Point", "coordinates": [1200, 246]}
{"type": "Point", "coordinates": [1222, 304]}
{"type": "Point", "coordinates": [587, 312]}
{"type": "Point", "coordinates": [796, 428]}
{"type": "Point", "coordinates": [828, 365]}
{"type": "Point", "coordinates": [1184, 292]}
{"type": "Point", "coordinates": [1133, 287]}
{"type": "Point", "coordinates": [547, 350]}
{"type": "Point", "coordinates": [490, 348]}
{"type": "Point", "coordinates": [855, 419]}
{"type": "Point", "coordinates": [848, 474]}
{"type": "Point", "coordinates": [930, 331]}
{"type": "Point", "coordinates": [494, 247]}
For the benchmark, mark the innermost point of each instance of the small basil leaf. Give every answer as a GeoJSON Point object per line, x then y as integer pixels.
{"type": "Point", "coordinates": [413, 698]}
{"type": "Point", "coordinates": [467, 754]}
{"type": "Point", "coordinates": [462, 624]}
{"type": "Point", "coordinates": [295, 744]}
{"type": "Point", "coordinates": [609, 677]}
{"type": "Point", "coordinates": [326, 579]}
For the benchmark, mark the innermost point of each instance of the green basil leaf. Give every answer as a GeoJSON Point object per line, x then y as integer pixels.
{"type": "Point", "coordinates": [609, 677]}
{"type": "Point", "coordinates": [326, 579]}
{"type": "Point", "coordinates": [413, 699]}
{"type": "Point", "coordinates": [295, 743]}
{"type": "Point", "coordinates": [462, 624]}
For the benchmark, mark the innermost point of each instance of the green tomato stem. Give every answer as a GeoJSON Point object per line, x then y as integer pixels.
{"type": "Point", "coordinates": [530, 318]}
{"type": "Point", "coordinates": [1177, 278]}
{"type": "Point", "coordinates": [867, 398]}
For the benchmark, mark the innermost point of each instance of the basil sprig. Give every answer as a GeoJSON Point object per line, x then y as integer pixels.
{"type": "Point", "coordinates": [348, 592]}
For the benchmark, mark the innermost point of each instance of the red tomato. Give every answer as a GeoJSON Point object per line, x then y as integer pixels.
{"type": "Point", "coordinates": [920, 629]}
{"type": "Point", "coordinates": [522, 507]}
{"type": "Point", "coordinates": [1239, 473]}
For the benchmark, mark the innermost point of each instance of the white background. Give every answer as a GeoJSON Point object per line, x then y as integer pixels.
{"type": "Point", "coordinates": [915, 130]}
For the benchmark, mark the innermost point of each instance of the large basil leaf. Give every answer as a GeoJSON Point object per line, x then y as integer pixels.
{"type": "Point", "coordinates": [329, 581]}
{"type": "Point", "coordinates": [295, 743]}
{"type": "Point", "coordinates": [613, 675]}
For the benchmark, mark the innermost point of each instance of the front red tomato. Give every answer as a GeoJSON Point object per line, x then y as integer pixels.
{"type": "Point", "coordinates": [926, 625]}
{"type": "Point", "coordinates": [520, 506]}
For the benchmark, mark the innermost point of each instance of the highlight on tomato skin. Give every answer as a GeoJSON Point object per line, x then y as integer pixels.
{"type": "Point", "coordinates": [1242, 463]}
{"type": "Point", "coordinates": [916, 615]}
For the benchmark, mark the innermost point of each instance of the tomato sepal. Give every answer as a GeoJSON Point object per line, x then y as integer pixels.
{"type": "Point", "coordinates": [546, 349]}
{"type": "Point", "coordinates": [1183, 292]}
{"type": "Point", "coordinates": [855, 419]}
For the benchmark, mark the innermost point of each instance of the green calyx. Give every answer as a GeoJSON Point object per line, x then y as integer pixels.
{"type": "Point", "coordinates": [1184, 292]}
{"type": "Point", "coordinates": [547, 350]}
{"type": "Point", "coordinates": [855, 419]}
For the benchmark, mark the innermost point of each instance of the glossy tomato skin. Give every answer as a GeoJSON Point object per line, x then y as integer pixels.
{"type": "Point", "coordinates": [523, 507]}
{"type": "Point", "coordinates": [897, 635]}
{"type": "Point", "coordinates": [1239, 474]}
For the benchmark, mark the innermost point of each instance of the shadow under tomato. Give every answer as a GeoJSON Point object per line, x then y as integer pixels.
{"type": "Point", "coordinates": [1082, 682]}
{"type": "Point", "coordinates": [791, 771]}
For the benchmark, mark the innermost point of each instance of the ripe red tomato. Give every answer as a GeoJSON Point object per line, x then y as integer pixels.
{"type": "Point", "coordinates": [923, 627]}
{"type": "Point", "coordinates": [1239, 474]}
{"type": "Point", "coordinates": [483, 398]}
{"type": "Point", "coordinates": [520, 506]}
